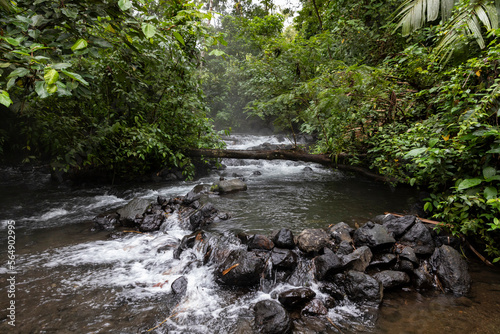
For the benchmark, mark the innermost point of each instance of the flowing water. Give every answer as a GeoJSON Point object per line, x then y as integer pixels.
{"type": "Point", "coordinates": [70, 279]}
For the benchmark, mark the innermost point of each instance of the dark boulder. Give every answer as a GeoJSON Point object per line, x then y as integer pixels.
{"type": "Point", "coordinates": [284, 259]}
{"type": "Point", "coordinates": [451, 269]}
{"type": "Point", "coordinates": [284, 239]}
{"type": "Point", "coordinates": [151, 222]}
{"type": "Point", "coordinates": [259, 241]}
{"type": "Point", "coordinates": [407, 253]}
{"type": "Point", "coordinates": [419, 238]}
{"type": "Point", "coordinates": [345, 248]}
{"type": "Point", "coordinates": [359, 259]}
{"type": "Point", "coordinates": [228, 186]}
{"type": "Point", "coordinates": [422, 278]}
{"type": "Point", "coordinates": [313, 240]}
{"type": "Point", "coordinates": [383, 260]}
{"type": "Point", "coordinates": [241, 268]}
{"type": "Point", "coordinates": [361, 287]}
{"type": "Point", "coordinates": [106, 222]}
{"type": "Point", "coordinates": [327, 265]}
{"type": "Point", "coordinates": [296, 299]}
{"type": "Point", "coordinates": [134, 209]}
{"type": "Point", "coordinates": [341, 232]}
{"type": "Point", "coordinates": [392, 278]}
{"type": "Point", "coordinates": [315, 307]}
{"type": "Point", "coordinates": [398, 226]}
{"type": "Point", "coordinates": [179, 286]}
{"type": "Point", "coordinates": [373, 235]}
{"type": "Point", "coordinates": [271, 318]}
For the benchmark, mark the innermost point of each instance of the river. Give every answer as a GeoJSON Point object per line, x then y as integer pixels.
{"type": "Point", "coordinates": [69, 279]}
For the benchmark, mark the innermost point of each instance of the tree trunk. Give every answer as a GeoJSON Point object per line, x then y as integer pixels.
{"type": "Point", "coordinates": [292, 155]}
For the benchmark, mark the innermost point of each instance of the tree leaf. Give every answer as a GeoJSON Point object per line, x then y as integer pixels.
{"type": "Point", "coordinates": [469, 183]}
{"type": "Point", "coordinates": [75, 76]}
{"type": "Point", "coordinates": [80, 44]}
{"type": "Point", "coordinates": [489, 172]}
{"type": "Point", "coordinates": [490, 192]}
{"type": "Point", "coordinates": [70, 13]}
{"type": "Point", "coordinates": [41, 90]}
{"type": "Point", "coordinates": [51, 89]}
{"type": "Point", "coordinates": [124, 4]}
{"type": "Point", "coordinates": [179, 37]}
{"type": "Point", "coordinates": [60, 66]}
{"type": "Point", "coordinates": [11, 83]}
{"type": "Point", "coordinates": [36, 20]}
{"type": "Point", "coordinates": [12, 41]}
{"type": "Point", "coordinates": [18, 73]}
{"type": "Point", "coordinates": [415, 152]}
{"type": "Point", "coordinates": [5, 98]}
{"type": "Point", "coordinates": [4, 65]}
{"type": "Point", "coordinates": [148, 29]}
{"type": "Point", "coordinates": [51, 76]}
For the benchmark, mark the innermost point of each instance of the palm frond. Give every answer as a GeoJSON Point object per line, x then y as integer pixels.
{"type": "Point", "coordinates": [412, 14]}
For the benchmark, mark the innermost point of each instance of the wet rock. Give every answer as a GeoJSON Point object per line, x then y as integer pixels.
{"type": "Point", "coordinates": [179, 286]}
{"type": "Point", "coordinates": [333, 290]}
{"type": "Point", "coordinates": [256, 173]}
{"type": "Point", "coordinates": [451, 269]}
{"type": "Point", "coordinates": [134, 209]}
{"type": "Point", "coordinates": [187, 242]}
{"type": "Point", "coordinates": [296, 299]}
{"type": "Point", "coordinates": [392, 278]}
{"type": "Point", "coordinates": [419, 238]}
{"type": "Point", "coordinates": [307, 169]}
{"type": "Point", "coordinates": [284, 259]}
{"type": "Point", "coordinates": [259, 241]}
{"type": "Point", "coordinates": [383, 260]}
{"type": "Point", "coordinates": [284, 239]}
{"type": "Point", "coordinates": [151, 222]}
{"type": "Point", "coordinates": [359, 259]}
{"type": "Point", "coordinates": [203, 216]}
{"type": "Point", "coordinates": [341, 232]}
{"type": "Point", "coordinates": [244, 237]}
{"type": "Point", "coordinates": [327, 265]}
{"type": "Point", "coordinates": [271, 318]}
{"type": "Point", "coordinates": [361, 287]}
{"type": "Point", "coordinates": [315, 307]}
{"type": "Point", "coordinates": [447, 240]}
{"type": "Point", "coordinates": [422, 278]}
{"type": "Point", "coordinates": [313, 240]}
{"type": "Point", "coordinates": [241, 268]}
{"type": "Point", "coordinates": [373, 235]}
{"type": "Point", "coordinates": [345, 248]}
{"type": "Point", "coordinates": [404, 265]}
{"type": "Point", "coordinates": [106, 222]}
{"type": "Point", "coordinates": [398, 226]}
{"type": "Point", "coordinates": [409, 254]}
{"type": "Point", "coordinates": [228, 186]}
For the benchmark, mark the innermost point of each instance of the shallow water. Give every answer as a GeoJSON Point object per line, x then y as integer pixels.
{"type": "Point", "coordinates": [70, 279]}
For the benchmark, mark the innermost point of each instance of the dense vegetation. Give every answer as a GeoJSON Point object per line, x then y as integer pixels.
{"type": "Point", "coordinates": [409, 88]}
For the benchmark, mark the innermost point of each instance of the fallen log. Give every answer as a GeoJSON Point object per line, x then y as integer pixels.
{"type": "Point", "coordinates": [293, 155]}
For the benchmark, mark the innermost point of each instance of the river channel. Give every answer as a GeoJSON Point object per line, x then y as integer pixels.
{"type": "Point", "coordinates": [70, 279]}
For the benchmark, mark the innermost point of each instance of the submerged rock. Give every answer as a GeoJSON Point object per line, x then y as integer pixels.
{"type": "Point", "coordinates": [271, 318]}
{"type": "Point", "coordinates": [451, 269]}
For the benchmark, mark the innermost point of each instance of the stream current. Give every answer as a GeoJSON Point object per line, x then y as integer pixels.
{"type": "Point", "coordinates": [72, 280]}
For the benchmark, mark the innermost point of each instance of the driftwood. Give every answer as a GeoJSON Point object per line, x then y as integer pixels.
{"type": "Point", "coordinates": [293, 155]}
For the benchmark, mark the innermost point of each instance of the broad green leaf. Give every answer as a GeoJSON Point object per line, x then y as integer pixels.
{"type": "Point", "coordinates": [12, 41]}
{"type": "Point", "coordinates": [433, 142]}
{"type": "Point", "coordinates": [5, 98]}
{"type": "Point", "coordinates": [51, 76]}
{"type": "Point", "coordinates": [18, 73]}
{"type": "Point", "coordinates": [179, 37]}
{"type": "Point", "coordinates": [41, 90]}
{"type": "Point", "coordinates": [70, 12]}
{"type": "Point", "coordinates": [217, 53]}
{"type": "Point", "coordinates": [75, 76]}
{"type": "Point", "coordinates": [36, 20]}
{"type": "Point", "coordinates": [469, 183]}
{"type": "Point", "coordinates": [52, 88]}
{"type": "Point", "coordinates": [60, 66]}
{"type": "Point", "coordinates": [148, 29]}
{"type": "Point", "coordinates": [80, 44]}
{"type": "Point", "coordinates": [11, 83]}
{"type": "Point", "coordinates": [4, 65]}
{"type": "Point", "coordinates": [489, 172]}
{"type": "Point", "coordinates": [495, 150]}
{"type": "Point", "coordinates": [415, 152]}
{"type": "Point", "coordinates": [124, 4]}
{"type": "Point", "coordinates": [490, 192]}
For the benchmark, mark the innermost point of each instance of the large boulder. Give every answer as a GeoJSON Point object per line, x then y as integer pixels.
{"type": "Point", "coordinates": [392, 278]}
{"type": "Point", "coordinates": [271, 318]}
{"type": "Point", "coordinates": [398, 226]}
{"type": "Point", "coordinates": [296, 299]}
{"type": "Point", "coordinates": [327, 265]}
{"type": "Point", "coordinates": [373, 235]}
{"type": "Point", "coordinates": [259, 241]}
{"type": "Point", "coordinates": [241, 268]}
{"type": "Point", "coordinates": [451, 269]}
{"type": "Point", "coordinates": [361, 287]}
{"type": "Point", "coordinates": [419, 238]}
{"type": "Point", "coordinates": [228, 186]}
{"type": "Point", "coordinates": [284, 259]}
{"type": "Point", "coordinates": [134, 209]}
{"type": "Point", "coordinates": [359, 259]}
{"type": "Point", "coordinates": [341, 232]}
{"type": "Point", "coordinates": [151, 222]}
{"type": "Point", "coordinates": [284, 239]}
{"type": "Point", "coordinates": [313, 240]}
